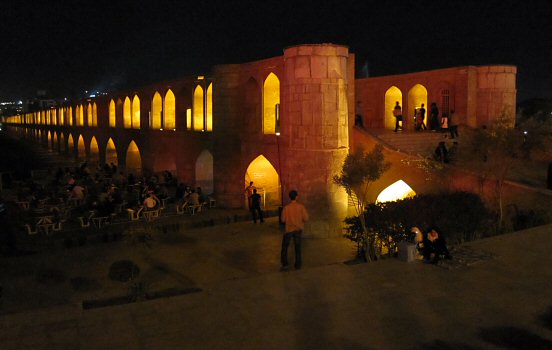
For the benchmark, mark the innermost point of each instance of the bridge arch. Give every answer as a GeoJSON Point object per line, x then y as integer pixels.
{"type": "Point", "coordinates": [111, 153]}
{"type": "Point", "coordinates": [266, 179]}
{"type": "Point", "coordinates": [133, 159]}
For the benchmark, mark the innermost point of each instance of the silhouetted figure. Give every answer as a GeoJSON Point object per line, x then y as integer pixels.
{"type": "Point", "coordinates": [256, 206]}
{"type": "Point", "coordinates": [435, 246]}
{"type": "Point", "coordinates": [397, 113]}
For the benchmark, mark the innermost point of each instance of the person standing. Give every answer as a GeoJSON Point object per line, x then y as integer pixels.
{"type": "Point", "coordinates": [397, 113]}
{"type": "Point", "coordinates": [248, 193]}
{"type": "Point", "coordinates": [256, 206]}
{"type": "Point", "coordinates": [294, 216]}
{"type": "Point", "coordinates": [422, 117]}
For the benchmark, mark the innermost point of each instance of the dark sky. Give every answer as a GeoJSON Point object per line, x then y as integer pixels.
{"type": "Point", "coordinates": [66, 47]}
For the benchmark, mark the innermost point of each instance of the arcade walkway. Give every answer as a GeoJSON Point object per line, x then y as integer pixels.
{"type": "Point", "coordinates": [238, 299]}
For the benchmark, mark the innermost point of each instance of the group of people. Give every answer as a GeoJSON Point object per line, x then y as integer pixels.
{"type": "Point", "coordinates": [446, 123]}
{"type": "Point", "coordinates": [430, 247]}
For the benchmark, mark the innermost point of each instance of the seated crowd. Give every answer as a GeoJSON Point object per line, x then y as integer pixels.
{"type": "Point", "coordinates": [104, 191]}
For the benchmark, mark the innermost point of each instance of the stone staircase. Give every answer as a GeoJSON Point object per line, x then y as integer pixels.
{"type": "Point", "coordinates": [422, 143]}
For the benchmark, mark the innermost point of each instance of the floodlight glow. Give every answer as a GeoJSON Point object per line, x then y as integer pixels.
{"type": "Point", "coordinates": [396, 191]}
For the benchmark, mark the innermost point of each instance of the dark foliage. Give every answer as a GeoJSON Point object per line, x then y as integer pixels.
{"type": "Point", "coordinates": [461, 216]}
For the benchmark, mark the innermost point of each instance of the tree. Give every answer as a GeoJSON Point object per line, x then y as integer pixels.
{"type": "Point", "coordinates": [360, 170]}
{"type": "Point", "coordinates": [492, 153]}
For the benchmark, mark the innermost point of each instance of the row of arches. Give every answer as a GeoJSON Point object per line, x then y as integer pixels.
{"type": "Point", "coordinates": [126, 111]}
{"type": "Point", "coordinates": [416, 96]}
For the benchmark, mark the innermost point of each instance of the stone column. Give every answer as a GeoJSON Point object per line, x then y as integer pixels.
{"type": "Point", "coordinates": [314, 132]}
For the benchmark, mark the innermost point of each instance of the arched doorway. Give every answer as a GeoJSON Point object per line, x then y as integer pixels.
{"type": "Point", "coordinates": [62, 144]}
{"type": "Point", "coordinates": [133, 159]}
{"type": "Point", "coordinates": [81, 151]}
{"type": "Point", "coordinates": [55, 144]}
{"type": "Point", "coordinates": [70, 145]}
{"type": "Point", "coordinates": [396, 191]}
{"type": "Point", "coordinates": [416, 97]}
{"type": "Point", "coordinates": [392, 95]}
{"type": "Point", "coordinates": [265, 178]}
{"type": "Point", "coordinates": [204, 172]}
{"type": "Point", "coordinates": [94, 151]}
{"type": "Point", "coordinates": [111, 153]}
{"type": "Point", "coordinates": [49, 140]}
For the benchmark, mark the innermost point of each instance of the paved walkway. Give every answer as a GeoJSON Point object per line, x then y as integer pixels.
{"type": "Point", "coordinates": [231, 295]}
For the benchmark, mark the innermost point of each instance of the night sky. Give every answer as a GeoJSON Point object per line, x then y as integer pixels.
{"type": "Point", "coordinates": [65, 47]}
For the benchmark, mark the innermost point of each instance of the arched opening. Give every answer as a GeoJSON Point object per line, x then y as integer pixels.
{"type": "Point", "coordinates": [209, 107]}
{"type": "Point", "coordinates": [416, 97]}
{"type": "Point", "coordinates": [81, 151]}
{"type": "Point", "coordinates": [70, 115]}
{"type": "Point", "coordinates": [127, 116]}
{"type": "Point", "coordinates": [111, 153]}
{"type": "Point", "coordinates": [94, 114]}
{"type": "Point", "coordinates": [271, 98]}
{"type": "Point", "coordinates": [133, 159]}
{"type": "Point", "coordinates": [90, 118]}
{"type": "Point", "coordinates": [70, 144]}
{"type": "Point", "coordinates": [394, 192]}
{"type": "Point", "coordinates": [112, 118]}
{"type": "Point", "coordinates": [204, 172]}
{"type": "Point", "coordinates": [55, 144]}
{"type": "Point", "coordinates": [169, 120]}
{"type": "Point", "coordinates": [62, 144]}
{"type": "Point", "coordinates": [49, 140]}
{"type": "Point", "coordinates": [81, 115]}
{"type": "Point", "coordinates": [136, 112]}
{"type": "Point", "coordinates": [198, 109]}
{"type": "Point", "coordinates": [94, 151]}
{"type": "Point", "coordinates": [265, 178]}
{"type": "Point", "coordinates": [392, 96]}
{"type": "Point", "coordinates": [156, 106]}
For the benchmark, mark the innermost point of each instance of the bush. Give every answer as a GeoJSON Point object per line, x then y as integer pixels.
{"type": "Point", "coordinates": [461, 216]}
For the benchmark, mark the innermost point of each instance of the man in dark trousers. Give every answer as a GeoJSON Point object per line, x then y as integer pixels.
{"type": "Point", "coordinates": [294, 216]}
{"type": "Point", "coordinates": [256, 206]}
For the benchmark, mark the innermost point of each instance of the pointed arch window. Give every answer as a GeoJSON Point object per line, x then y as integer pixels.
{"type": "Point", "coordinates": [169, 120]}
{"type": "Point", "coordinates": [112, 118]}
{"type": "Point", "coordinates": [127, 117]}
{"type": "Point", "coordinates": [198, 109]}
{"type": "Point", "coordinates": [94, 114]}
{"type": "Point", "coordinates": [271, 101]}
{"type": "Point", "coordinates": [156, 110]}
{"type": "Point", "coordinates": [136, 112]}
{"type": "Point", "coordinates": [90, 118]}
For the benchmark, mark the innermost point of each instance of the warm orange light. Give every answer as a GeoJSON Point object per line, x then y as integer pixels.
{"type": "Point", "coordinates": [156, 106]}
{"type": "Point", "coordinates": [396, 191]}
{"type": "Point", "coordinates": [271, 97]}
{"type": "Point", "coordinates": [170, 111]}
{"type": "Point", "coordinates": [266, 180]}
{"type": "Point", "coordinates": [198, 109]}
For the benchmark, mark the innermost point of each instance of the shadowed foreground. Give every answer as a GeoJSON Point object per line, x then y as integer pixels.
{"type": "Point", "coordinates": [238, 298]}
